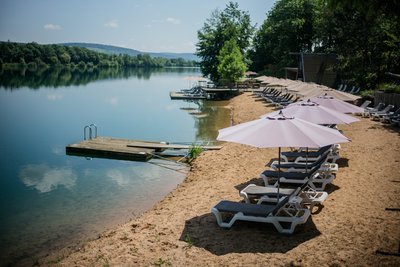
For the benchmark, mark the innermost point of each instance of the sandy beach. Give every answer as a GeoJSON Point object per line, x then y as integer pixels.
{"type": "Point", "coordinates": [180, 230]}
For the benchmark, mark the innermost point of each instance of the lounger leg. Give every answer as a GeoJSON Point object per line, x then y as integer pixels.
{"type": "Point", "coordinates": [220, 221]}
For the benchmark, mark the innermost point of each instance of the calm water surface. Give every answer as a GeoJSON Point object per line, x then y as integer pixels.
{"type": "Point", "coordinates": [49, 199]}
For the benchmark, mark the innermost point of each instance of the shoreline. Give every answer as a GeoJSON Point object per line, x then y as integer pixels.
{"type": "Point", "coordinates": [180, 230]}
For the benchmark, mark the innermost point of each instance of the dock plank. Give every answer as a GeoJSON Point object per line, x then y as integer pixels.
{"type": "Point", "coordinates": [104, 147]}
{"type": "Point", "coordinates": [118, 148]}
{"type": "Point", "coordinates": [180, 95]}
{"type": "Point", "coordinates": [162, 146]}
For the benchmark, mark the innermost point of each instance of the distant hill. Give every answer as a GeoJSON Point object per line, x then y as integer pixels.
{"type": "Point", "coordinates": [110, 49]}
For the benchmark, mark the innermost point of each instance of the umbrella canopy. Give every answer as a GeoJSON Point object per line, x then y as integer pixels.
{"type": "Point", "coordinates": [194, 78]}
{"type": "Point", "coordinates": [307, 89]}
{"type": "Point", "coordinates": [314, 113]}
{"type": "Point", "coordinates": [318, 90]}
{"type": "Point", "coordinates": [336, 104]}
{"type": "Point", "coordinates": [280, 131]}
{"type": "Point", "coordinates": [250, 73]}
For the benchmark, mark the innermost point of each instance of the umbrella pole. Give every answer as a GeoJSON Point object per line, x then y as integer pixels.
{"type": "Point", "coordinates": [279, 174]}
{"type": "Point", "coordinates": [306, 159]}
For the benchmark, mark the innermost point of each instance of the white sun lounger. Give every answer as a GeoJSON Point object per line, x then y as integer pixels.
{"type": "Point", "coordinates": [368, 111]}
{"type": "Point", "coordinates": [324, 166]}
{"type": "Point", "coordinates": [288, 211]}
{"type": "Point", "coordinates": [317, 180]}
{"type": "Point", "coordinates": [301, 156]}
{"type": "Point", "coordinates": [262, 194]}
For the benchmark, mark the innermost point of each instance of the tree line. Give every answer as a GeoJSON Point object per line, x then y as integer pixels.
{"type": "Point", "coordinates": [365, 36]}
{"type": "Point", "coordinates": [33, 56]}
{"type": "Point", "coordinates": [63, 77]}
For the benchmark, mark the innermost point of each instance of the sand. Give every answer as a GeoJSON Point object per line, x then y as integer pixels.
{"type": "Point", "coordinates": [181, 231]}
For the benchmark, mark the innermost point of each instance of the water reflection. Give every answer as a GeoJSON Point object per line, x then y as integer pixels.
{"type": "Point", "coordinates": [210, 116]}
{"type": "Point", "coordinates": [56, 77]}
{"type": "Point", "coordinates": [45, 179]}
{"type": "Point", "coordinates": [66, 198]}
{"type": "Point", "coordinates": [54, 96]}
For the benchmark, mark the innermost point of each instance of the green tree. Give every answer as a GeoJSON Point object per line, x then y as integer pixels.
{"type": "Point", "coordinates": [218, 29]}
{"type": "Point", "coordinates": [65, 58]}
{"type": "Point", "coordinates": [366, 37]}
{"type": "Point", "coordinates": [288, 28]}
{"type": "Point", "coordinates": [46, 55]}
{"type": "Point", "coordinates": [231, 65]}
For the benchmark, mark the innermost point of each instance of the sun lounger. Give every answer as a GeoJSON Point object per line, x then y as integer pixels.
{"type": "Point", "coordinates": [378, 114]}
{"type": "Point", "coordinates": [368, 111]}
{"type": "Point", "coordinates": [356, 91]}
{"type": "Point", "coordinates": [276, 100]}
{"type": "Point", "coordinates": [389, 117]}
{"type": "Point", "coordinates": [302, 156]}
{"type": "Point", "coordinates": [316, 179]}
{"type": "Point", "coordinates": [395, 121]}
{"type": "Point", "coordinates": [307, 165]}
{"type": "Point", "coordinates": [269, 97]}
{"type": "Point", "coordinates": [286, 103]}
{"type": "Point", "coordinates": [364, 106]}
{"type": "Point", "coordinates": [285, 215]}
{"type": "Point", "coordinates": [258, 93]}
{"type": "Point", "coordinates": [260, 194]}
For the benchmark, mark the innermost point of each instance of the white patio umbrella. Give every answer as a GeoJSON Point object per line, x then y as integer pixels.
{"type": "Point", "coordinates": [281, 131]}
{"type": "Point", "coordinates": [336, 104]}
{"type": "Point", "coordinates": [194, 79]}
{"type": "Point", "coordinates": [314, 113]}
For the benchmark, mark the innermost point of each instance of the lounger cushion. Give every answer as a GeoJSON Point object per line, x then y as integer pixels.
{"type": "Point", "coordinates": [302, 165]}
{"type": "Point", "coordinates": [245, 208]}
{"type": "Point", "coordinates": [290, 175]}
{"type": "Point", "coordinates": [271, 191]}
{"type": "Point", "coordinates": [310, 154]}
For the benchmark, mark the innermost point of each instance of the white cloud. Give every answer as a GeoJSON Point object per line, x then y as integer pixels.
{"type": "Point", "coordinates": [120, 177]}
{"type": "Point", "coordinates": [52, 27]}
{"type": "Point", "coordinates": [54, 96]}
{"type": "Point", "coordinates": [173, 20]}
{"type": "Point", "coordinates": [113, 101]}
{"type": "Point", "coordinates": [58, 150]}
{"type": "Point", "coordinates": [111, 24]}
{"type": "Point", "coordinates": [45, 179]}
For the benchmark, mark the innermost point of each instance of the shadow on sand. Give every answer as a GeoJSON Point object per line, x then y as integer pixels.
{"type": "Point", "coordinates": [343, 162]}
{"type": "Point", "coordinates": [244, 237]}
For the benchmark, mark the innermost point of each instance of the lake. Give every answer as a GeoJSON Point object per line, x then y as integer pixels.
{"type": "Point", "coordinates": [50, 199]}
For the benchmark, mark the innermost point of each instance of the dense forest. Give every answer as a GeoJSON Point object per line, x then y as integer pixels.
{"type": "Point", "coordinates": [364, 35]}
{"type": "Point", "coordinates": [34, 56]}
{"type": "Point", "coordinates": [61, 77]}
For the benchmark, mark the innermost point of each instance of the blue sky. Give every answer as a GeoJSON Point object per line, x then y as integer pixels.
{"type": "Point", "coordinates": [145, 25]}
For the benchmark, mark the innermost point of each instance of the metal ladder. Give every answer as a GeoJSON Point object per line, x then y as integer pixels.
{"type": "Point", "coordinates": [90, 128]}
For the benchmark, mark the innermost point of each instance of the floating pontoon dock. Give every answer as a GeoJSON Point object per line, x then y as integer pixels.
{"type": "Point", "coordinates": [211, 93]}
{"type": "Point", "coordinates": [125, 149]}
{"type": "Point", "coordinates": [180, 95]}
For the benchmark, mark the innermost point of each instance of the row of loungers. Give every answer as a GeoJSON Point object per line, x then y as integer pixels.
{"type": "Point", "coordinates": [344, 88]}
{"type": "Point", "coordinates": [382, 112]}
{"type": "Point", "coordinates": [292, 188]}
{"type": "Point", "coordinates": [276, 97]}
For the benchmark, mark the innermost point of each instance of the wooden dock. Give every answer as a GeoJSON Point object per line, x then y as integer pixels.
{"type": "Point", "coordinates": [181, 95]}
{"type": "Point", "coordinates": [158, 147]}
{"type": "Point", "coordinates": [124, 149]}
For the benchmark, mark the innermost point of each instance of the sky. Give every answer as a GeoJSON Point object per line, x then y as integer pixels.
{"type": "Point", "coordinates": [145, 25]}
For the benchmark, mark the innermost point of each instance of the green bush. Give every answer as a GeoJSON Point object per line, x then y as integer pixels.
{"type": "Point", "coordinates": [389, 87]}
{"type": "Point", "coordinates": [367, 93]}
{"type": "Point", "coordinates": [194, 152]}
